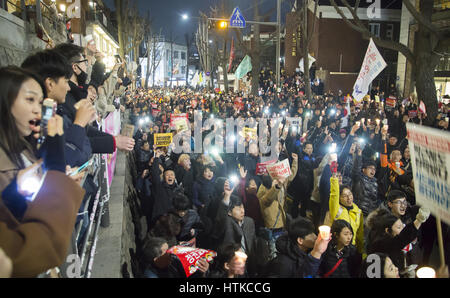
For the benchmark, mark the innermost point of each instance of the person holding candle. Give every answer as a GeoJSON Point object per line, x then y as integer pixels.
{"type": "Point", "coordinates": [342, 207]}
{"type": "Point", "coordinates": [341, 259]}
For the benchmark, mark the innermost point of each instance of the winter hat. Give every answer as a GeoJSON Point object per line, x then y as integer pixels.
{"type": "Point", "coordinates": [368, 163]}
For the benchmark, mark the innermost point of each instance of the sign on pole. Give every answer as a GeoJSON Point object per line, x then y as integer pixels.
{"type": "Point", "coordinates": [430, 157]}
{"type": "Point", "coordinates": [237, 19]}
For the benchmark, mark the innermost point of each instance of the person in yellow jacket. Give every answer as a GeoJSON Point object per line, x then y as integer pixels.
{"type": "Point", "coordinates": [342, 207]}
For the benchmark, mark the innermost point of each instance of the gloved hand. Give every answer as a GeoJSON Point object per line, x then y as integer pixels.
{"type": "Point", "coordinates": [423, 214]}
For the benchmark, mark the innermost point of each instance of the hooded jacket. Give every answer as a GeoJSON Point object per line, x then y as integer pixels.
{"type": "Point", "coordinates": [291, 261]}
{"type": "Point", "coordinates": [365, 189]}
{"type": "Point", "coordinates": [353, 215]}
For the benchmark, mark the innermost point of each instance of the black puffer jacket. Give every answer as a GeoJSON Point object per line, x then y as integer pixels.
{"type": "Point", "coordinates": [291, 261]}
{"type": "Point", "coordinates": [365, 189]}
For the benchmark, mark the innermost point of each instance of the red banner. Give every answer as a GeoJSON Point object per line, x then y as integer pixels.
{"type": "Point", "coordinates": [190, 256]}
{"type": "Point", "coordinates": [238, 104]}
{"type": "Point", "coordinates": [412, 114]}
{"type": "Point", "coordinates": [179, 121]}
{"type": "Point", "coordinates": [390, 101]}
{"type": "Point", "coordinates": [261, 167]}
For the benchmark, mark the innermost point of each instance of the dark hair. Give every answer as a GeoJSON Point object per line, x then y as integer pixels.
{"type": "Point", "coordinates": [383, 220]}
{"type": "Point", "coordinates": [342, 187]}
{"type": "Point", "coordinates": [366, 264]}
{"type": "Point", "coordinates": [152, 248]}
{"type": "Point", "coordinates": [225, 254]}
{"type": "Point", "coordinates": [181, 202]}
{"type": "Point", "coordinates": [300, 227]}
{"type": "Point", "coordinates": [395, 194]}
{"type": "Point", "coordinates": [235, 201]}
{"type": "Point", "coordinates": [166, 226]}
{"type": "Point", "coordinates": [11, 80]}
{"type": "Point", "coordinates": [48, 64]}
{"type": "Point", "coordinates": [71, 51]}
{"type": "Point", "coordinates": [337, 227]}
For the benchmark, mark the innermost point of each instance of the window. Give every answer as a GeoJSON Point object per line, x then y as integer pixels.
{"type": "Point", "coordinates": [375, 29]}
{"type": "Point", "coordinates": [183, 69]}
{"type": "Point", "coordinates": [390, 31]}
{"type": "Point", "coordinates": [175, 54]}
{"type": "Point", "coordinates": [183, 55]}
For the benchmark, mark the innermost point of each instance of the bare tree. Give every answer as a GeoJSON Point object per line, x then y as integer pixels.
{"type": "Point", "coordinates": [306, 37]}
{"type": "Point", "coordinates": [154, 56]}
{"type": "Point", "coordinates": [430, 44]}
{"type": "Point", "coordinates": [256, 48]}
{"type": "Point", "coordinates": [202, 42]}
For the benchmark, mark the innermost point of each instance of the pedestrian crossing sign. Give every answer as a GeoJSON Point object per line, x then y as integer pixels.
{"type": "Point", "coordinates": [237, 19]}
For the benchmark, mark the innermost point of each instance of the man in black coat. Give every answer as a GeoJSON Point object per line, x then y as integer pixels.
{"type": "Point", "coordinates": [100, 142]}
{"type": "Point", "coordinates": [299, 251]}
{"type": "Point", "coordinates": [162, 190]}
{"type": "Point", "coordinates": [302, 186]}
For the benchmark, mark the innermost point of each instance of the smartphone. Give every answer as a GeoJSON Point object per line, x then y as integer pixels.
{"type": "Point", "coordinates": [48, 111]}
{"type": "Point", "coordinates": [81, 168]}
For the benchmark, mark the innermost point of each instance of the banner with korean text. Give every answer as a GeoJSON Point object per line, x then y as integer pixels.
{"type": "Point", "coordinates": [430, 157]}
{"type": "Point", "coordinates": [372, 65]}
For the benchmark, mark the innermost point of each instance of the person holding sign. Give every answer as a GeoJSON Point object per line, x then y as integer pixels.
{"type": "Point", "coordinates": [272, 195]}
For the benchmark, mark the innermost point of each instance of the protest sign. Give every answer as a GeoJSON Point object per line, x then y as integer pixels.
{"type": "Point", "coordinates": [179, 122]}
{"type": "Point", "coordinates": [390, 102]}
{"type": "Point", "coordinates": [430, 157]}
{"type": "Point", "coordinates": [128, 130]}
{"type": "Point", "coordinates": [162, 139]}
{"type": "Point", "coordinates": [190, 256]}
{"type": "Point", "coordinates": [250, 133]}
{"type": "Point", "coordinates": [261, 167]}
{"type": "Point", "coordinates": [281, 169]}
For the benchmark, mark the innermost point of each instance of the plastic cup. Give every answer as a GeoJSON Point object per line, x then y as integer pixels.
{"type": "Point", "coordinates": [324, 232]}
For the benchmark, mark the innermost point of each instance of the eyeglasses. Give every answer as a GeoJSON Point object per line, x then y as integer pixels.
{"type": "Point", "coordinates": [402, 203]}
{"type": "Point", "coordinates": [82, 61]}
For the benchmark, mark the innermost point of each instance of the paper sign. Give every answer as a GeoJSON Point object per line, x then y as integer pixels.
{"type": "Point", "coordinates": [179, 121]}
{"type": "Point", "coordinates": [190, 256]}
{"type": "Point", "coordinates": [390, 102]}
{"type": "Point", "coordinates": [430, 157]}
{"type": "Point", "coordinates": [261, 167]}
{"type": "Point", "coordinates": [281, 169]}
{"type": "Point", "coordinates": [412, 114]}
{"type": "Point", "coordinates": [128, 130]}
{"type": "Point", "coordinates": [162, 139]}
{"type": "Point", "coordinates": [250, 133]}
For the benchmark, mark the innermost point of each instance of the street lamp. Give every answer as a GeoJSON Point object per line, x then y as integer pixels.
{"type": "Point", "coordinates": [185, 16]}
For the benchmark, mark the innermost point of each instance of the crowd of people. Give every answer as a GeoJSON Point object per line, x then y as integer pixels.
{"type": "Point", "coordinates": [350, 169]}
{"type": "Point", "coordinates": [51, 109]}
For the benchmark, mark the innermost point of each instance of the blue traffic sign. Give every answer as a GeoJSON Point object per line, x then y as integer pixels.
{"type": "Point", "coordinates": [237, 19]}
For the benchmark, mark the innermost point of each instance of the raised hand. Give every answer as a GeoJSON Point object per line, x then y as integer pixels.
{"type": "Point", "coordinates": [243, 172]}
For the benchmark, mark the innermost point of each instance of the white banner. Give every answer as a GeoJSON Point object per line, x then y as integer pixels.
{"type": "Point", "coordinates": [430, 157]}
{"type": "Point", "coordinates": [280, 169]}
{"type": "Point", "coordinates": [372, 65]}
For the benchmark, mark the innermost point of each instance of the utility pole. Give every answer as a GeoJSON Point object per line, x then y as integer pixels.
{"type": "Point", "coordinates": [278, 41]}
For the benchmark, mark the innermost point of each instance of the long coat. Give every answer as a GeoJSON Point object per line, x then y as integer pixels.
{"type": "Point", "coordinates": [41, 240]}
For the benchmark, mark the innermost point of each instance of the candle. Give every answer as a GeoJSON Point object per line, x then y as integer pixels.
{"type": "Point", "coordinates": [324, 232]}
{"type": "Point", "coordinates": [426, 272]}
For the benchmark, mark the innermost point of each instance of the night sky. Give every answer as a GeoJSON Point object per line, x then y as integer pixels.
{"type": "Point", "coordinates": [167, 14]}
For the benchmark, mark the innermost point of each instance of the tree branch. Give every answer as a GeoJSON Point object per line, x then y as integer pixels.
{"type": "Point", "coordinates": [419, 18]}
{"type": "Point", "coordinates": [396, 46]}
